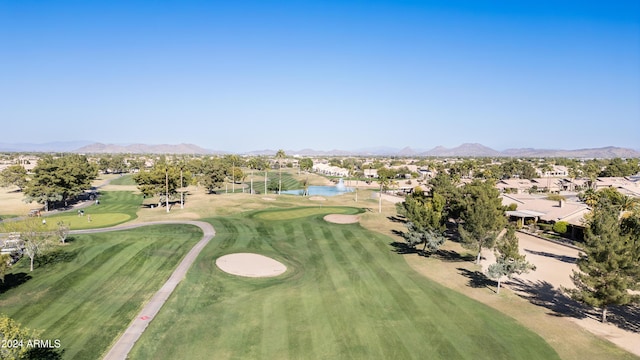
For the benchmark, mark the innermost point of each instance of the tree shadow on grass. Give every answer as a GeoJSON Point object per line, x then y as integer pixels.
{"type": "Point", "coordinates": [44, 353]}
{"type": "Point", "coordinates": [397, 219]}
{"type": "Point", "coordinates": [625, 317]}
{"type": "Point", "coordinates": [403, 248]}
{"type": "Point", "coordinates": [13, 280]}
{"type": "Point", "coordinates": [55, 257]}
{"type": "Point", "coordinates": [542, 293]}
{"type": "Point", "coordinates": [563, 258]}
{"type": "Point", "coordinates": [454, 256]}
{"type": "Point", "coordinates": [477, 279]}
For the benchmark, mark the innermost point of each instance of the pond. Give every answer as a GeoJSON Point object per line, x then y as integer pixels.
{"type": "Point", "coordinates": [322, 191]}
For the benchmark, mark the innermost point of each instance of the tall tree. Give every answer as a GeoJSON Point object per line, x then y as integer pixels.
{"type": "Point", "coordinates": [162, 180]}
{"type": "Point", "coordinates": [14, 175]}
{"type": "Point", "coordinates": [509, 261]}
{"type": "Point", "coordinates": [214, 174]}
{"type": "Point", "coordinates": [280, 155]}
{"type": "Point", "coordinates": [385, 178]}
{"type": "Point", "coordinates": [447, 187]}
{"type": "Point", "coordinates": [425, 223]}
{"type": "Point", "coordinates": [482, 216]}
{"type": "Point", "coordinates": [608, 266]}
{"type": "Point", "coordinates": [59, 179]}
{"type": "Point", "coordinates": [306, 164]}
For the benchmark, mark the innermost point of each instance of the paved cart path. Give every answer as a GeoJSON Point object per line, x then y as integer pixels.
{"type": "Point", "coordinates": [121, 348]}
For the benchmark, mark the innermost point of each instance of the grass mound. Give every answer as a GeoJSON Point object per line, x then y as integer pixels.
{"type": "Point", "coordinates": [303, 212]}
{"type": "Point", "coordinates": [347, 295]}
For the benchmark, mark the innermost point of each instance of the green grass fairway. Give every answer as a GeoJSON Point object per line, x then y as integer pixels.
{"type": "Point", "coordinates": [88, 293]}
{"type": "Point", "coordinates": [123, 180]}
{"type": "Point", "coordinates": [345, 295]}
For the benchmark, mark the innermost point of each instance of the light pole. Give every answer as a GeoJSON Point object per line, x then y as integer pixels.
{"type": "Point", "coordinates": [166, 181]}
{"type": "Point", "coordinates": [181, 191]}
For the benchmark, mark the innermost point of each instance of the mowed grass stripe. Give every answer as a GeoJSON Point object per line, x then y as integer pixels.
{"type": "Point", "coordinates": [88, 301]}
{"type": "Point", "coordinates": [299, 340]}
{"type": "Point", "coordinates": [397, 329]}
{"type": "Point", "coordinates": [406, 300]}
{"type": "Point", "coordinates": [344, 336]}
{"type": "Point", "coordinates": [388, 340]}
{"type": "Point", "coordinates": [274, 342]}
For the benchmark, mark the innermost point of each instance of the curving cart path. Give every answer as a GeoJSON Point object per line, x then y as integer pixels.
{"type": "Point", "coordinates": [121, 348]}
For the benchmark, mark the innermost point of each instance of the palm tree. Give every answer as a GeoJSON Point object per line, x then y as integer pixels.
{"type": "Point", "coordinates": [280, 155]}
{"type": "Point", "coordinates": [547, 168]}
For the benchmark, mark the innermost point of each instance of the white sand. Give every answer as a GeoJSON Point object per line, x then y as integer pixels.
{"type": "Point", "coordinates": [342, 219]}
{"type": "Point", "coordinates": [250, 265]}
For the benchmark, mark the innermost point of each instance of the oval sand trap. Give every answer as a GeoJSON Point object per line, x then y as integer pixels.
{"type": "Point", "coordinates": [342, 219]}
{"type": "Point", "coordinates": [250, 265]}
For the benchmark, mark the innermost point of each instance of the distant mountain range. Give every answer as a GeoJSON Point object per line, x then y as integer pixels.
{"type": "Point", "coordinates": [464, 150]}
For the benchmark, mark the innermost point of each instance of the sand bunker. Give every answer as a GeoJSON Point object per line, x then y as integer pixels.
{"type": "Point", "coordinates": [250, 265]}
{"type": "Point", "coordinates": [342, 219]}
{"type": "Point", "coordinates": [317, 198]}
{"type": "Point", "coordinates": [268, 199]}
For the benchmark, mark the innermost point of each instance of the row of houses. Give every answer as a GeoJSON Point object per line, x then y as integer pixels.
{"type": "Point", "coordinates": [626, 185]}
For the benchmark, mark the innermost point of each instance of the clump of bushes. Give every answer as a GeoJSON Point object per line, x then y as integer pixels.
{"type": "Point", "coordinates": [560, 227]}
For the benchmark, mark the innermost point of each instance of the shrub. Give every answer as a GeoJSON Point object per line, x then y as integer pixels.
{"type": "Point", "coordinates": [545, 227]}
{"type": "Point", "coordinates": [560, 227]}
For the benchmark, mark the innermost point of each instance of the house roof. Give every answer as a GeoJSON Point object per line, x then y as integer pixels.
{"type": "Point", "coordinates": [546, 210]}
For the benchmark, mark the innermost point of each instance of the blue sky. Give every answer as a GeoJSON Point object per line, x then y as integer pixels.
{"type": "Point", "coordinates": [242, 76]}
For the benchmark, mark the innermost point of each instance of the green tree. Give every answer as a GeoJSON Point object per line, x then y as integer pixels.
{"type": "Point", "coordinates": [258, 163]}
{"type": "Point", "coordinates": [214, 173]}
{"type": "Point", "coordinates": [482, 216]}
{"type": "Point", "coordinates": [14, 175]}
{"type": "Point", "coordinates": [509, 261]}
{"type": "Point", "coordinates": [11, 332]}
{"type": "Point", "coordinates": [162, 181]}
{"type": "Point", "coordinates": [446, 186]}
{"type": "Point", "coordinates": [59, 179]}
{"type": "Point", "coordinates": [425, 223]}
{"type": "Point", "coordinates": [618, 168]}
{"type": "Point", "coordinates": [608, 266]}
{"type": "Point", "coordinates": [306, 164]}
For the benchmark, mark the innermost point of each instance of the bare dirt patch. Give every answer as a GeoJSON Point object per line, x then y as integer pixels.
{"type": "Point", "coordinates": [250, 265]}
{"type": "Point", "coordinates": [342, 219]}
